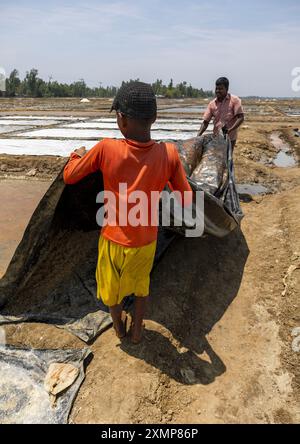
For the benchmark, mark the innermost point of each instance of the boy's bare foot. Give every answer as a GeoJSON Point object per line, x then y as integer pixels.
{"type": "Point", "coordinates": [136, 333]}
{"type": "Point", "coordinates": [137, 325]}
{"type": "Point", "coordinates": [120, 327]}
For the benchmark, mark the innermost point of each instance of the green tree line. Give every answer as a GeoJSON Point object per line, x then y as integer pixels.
{"type": "Point", "coordinates": [33, 86]}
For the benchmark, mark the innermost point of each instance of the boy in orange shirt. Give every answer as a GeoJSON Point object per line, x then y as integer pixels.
{"type": "Point", "coordinates": [126, 250]}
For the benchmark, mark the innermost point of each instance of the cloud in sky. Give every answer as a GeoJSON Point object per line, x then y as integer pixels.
{"type": "Point", "coordinates": [255, 44]}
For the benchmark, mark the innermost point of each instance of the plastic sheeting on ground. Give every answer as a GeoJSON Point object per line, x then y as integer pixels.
{"type": "Point", "coordinates": [23, 397]}
{"type": "Point", "coordinates": [51, 277]}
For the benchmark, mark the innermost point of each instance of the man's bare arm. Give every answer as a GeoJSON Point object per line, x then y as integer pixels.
{"type": "Point", "coordinates": [237, 124]}
{"type": "Point", "coordinates": [203, 128]}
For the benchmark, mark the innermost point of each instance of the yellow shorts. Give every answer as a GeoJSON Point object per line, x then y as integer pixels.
{"type": "Point", "coordinates": [122, 271]}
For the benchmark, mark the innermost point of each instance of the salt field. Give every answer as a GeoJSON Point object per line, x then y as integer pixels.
{"type": "Point", "coordinates": [43, 147]}
{"type": "Point", "coordinates": [184, 110]}
{"type": "Point", "coordinates": [63, 134]}
{"type": "Point", "coordinates": [31, 122]}
{"type": "Point", "coordinates": [66, 133]}
{"type": "Point", "coordinates": [9, 129]}
{"type": "Point", "coordinates": [169, 125]}
{"type": "Point", "coordinates": [71, 133]}
{"type": "Point", "coordinates": [42, 118]}
{"type": "Point", "coordinates": [291, 112]}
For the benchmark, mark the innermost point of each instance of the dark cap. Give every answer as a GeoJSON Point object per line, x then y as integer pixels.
{"type": "Point", "coordinates": [136, 100]}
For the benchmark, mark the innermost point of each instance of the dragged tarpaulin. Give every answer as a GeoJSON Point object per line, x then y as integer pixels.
{"type": "Point", "coordinates": [24, 398]}
{"type": "Point", "coordinates": [51, 277]}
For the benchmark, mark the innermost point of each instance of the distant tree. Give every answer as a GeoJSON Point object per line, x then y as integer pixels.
{"type": "Point", "coordinates": [33, 86]}
{"type": "Point", "coordinates": [182, 88]}
{"type": "Point", "coordinates": [13, 83]}
{"type": "Point", "coordinates": [30, 82]}
{"type": "Point", "coordinates": [79, 88]}
{"type": "Point", "coordinates": [189, 91]}
{"type": "Point", "coordinates": [158, 87]}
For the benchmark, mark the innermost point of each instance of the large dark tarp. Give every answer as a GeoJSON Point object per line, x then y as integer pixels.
{"type": "Point", "coordinates": [51, 277]}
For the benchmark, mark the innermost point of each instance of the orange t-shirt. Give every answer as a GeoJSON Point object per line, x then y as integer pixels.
{"type": "Point", "coordinates": [143, 167]}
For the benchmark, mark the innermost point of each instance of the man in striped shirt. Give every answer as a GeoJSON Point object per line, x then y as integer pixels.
{"type": "Point", "coordinates": [226, 111]}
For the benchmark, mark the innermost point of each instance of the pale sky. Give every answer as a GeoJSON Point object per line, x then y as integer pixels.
{"type": "Point", "coordinates": [256, 44]}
